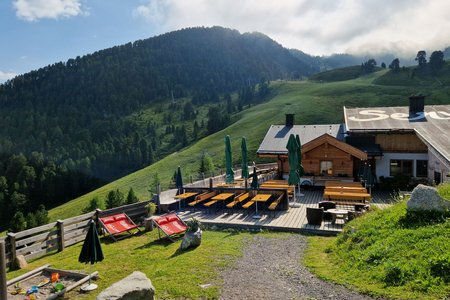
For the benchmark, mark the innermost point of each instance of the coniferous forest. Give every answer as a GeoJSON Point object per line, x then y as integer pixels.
{"type": "Point", "coordinates": [100, 116]}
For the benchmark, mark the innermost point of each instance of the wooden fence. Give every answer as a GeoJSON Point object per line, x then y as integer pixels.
{"type": "Point", "coordinates": [35, 242]}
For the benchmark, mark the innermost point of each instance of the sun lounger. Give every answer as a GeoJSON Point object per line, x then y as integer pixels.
{"type": "Point", "coordinates": [171, 225]}
{"type": "Point", "coordinates": [115, 225]}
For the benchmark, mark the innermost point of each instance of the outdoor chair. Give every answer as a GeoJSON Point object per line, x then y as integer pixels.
{"type": "Point", "coordinates": [314, 215]}
{"type": "Point", "coordinates": [171, 225]}
{"type": "Point", "coordinates": [115, 225]}
{"type": "Point", "coordinates": [326, 205]}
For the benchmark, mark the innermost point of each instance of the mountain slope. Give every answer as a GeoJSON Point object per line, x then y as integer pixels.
{"type": "Point", "coordinates": [312, 103]}
{"type": "Point", "coordinates": [84, 113]}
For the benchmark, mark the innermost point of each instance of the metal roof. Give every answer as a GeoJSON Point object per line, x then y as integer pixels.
{"type": "Point", "coordinates": [277, 136]}
{"type": "Point", "coordinates": [432, 125]}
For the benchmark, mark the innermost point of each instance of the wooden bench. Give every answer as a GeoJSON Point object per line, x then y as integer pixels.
{"type": "Point", "coordinates": [362, 197]}
{"type": "Point", "coordinates": [210, 203]}
{"type": "Point", "coordinates": [248, 204]}
{"type": "Point", "coordinates": [202, 197]}
{"type": "Point", "coordinates": [346, 189]}
{"type": "Point", "coordinates": [238, 199]}
{"type": "Point", "coordinates": [275, 203]}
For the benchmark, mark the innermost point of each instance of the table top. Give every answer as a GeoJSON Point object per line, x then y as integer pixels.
{"type": "Point", "coordinates": [185, 195]}
{"type": "Point", "coordinates": [261, 197]}
{"type": "Point", "coordinates": [223, 196]}
{"type": "Point", "coordinates": [337, 211]}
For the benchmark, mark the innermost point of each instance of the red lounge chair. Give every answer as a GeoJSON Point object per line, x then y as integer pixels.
{"type": "Point", "coordinates": [171, 225]}
{"type": "Point", "coordinates": [117, 224]}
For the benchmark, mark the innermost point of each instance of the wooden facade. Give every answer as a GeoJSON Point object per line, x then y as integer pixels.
{"type": "Point", "coordinates": [326, 156]}
{"type": "Point", "coordinates": [400, 142]}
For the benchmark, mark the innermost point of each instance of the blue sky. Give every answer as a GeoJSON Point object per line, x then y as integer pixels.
{"type": "Point", "coordinates": [36, 33]}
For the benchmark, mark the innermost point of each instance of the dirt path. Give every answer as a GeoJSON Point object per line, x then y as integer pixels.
{"type": "Point", "coordinates": [270, 269]}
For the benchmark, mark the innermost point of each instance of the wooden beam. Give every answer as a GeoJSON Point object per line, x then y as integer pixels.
{"type": "Point", "coordinates": [3, 286]}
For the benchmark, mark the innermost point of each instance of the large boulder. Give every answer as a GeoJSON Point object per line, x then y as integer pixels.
{"type": "Point", "coordinates": [133, 287]}
{"type": "Point", "coordinates": [191, 239]}
{"type": "Point", "coordinates": [426, 198]}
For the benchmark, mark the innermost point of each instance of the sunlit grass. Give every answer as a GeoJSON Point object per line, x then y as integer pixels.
{"type": "Point", "coordinates": [174, 274]}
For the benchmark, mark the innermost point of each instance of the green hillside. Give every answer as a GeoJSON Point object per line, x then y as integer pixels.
{"type": "Point", "coordinates": [312, 103]}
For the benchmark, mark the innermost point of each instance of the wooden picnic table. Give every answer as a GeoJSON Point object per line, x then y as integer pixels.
{"type": "Point", "coordinates": [259, 198]}
{"type": "Point", "coordinates": [184, 196]}
{"type": "Point", "coordinates": [347, 196]}
{"type": "Point", "coordinates": [223, 196]}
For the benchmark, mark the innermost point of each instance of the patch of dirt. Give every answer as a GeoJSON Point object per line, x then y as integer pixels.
{"type": "Point", "coordinates": [270, 269]}
{"type": "Point", "coordinates": [44, 291]}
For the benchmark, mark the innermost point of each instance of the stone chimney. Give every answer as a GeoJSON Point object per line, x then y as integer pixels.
{"type": "Point", "coordinates": [416, 103]}
{"type": "Point", "coordinates": [289, 120]}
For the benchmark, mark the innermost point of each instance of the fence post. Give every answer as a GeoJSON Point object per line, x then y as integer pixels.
{"type": "Point", "coordinates": [60, 225]}
{"type": "Point", "coordinates": [12, 241]}
{"type": "Point", "coordinates": [3, 288]}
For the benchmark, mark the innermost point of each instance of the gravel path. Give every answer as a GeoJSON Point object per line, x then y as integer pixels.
{"type": "Point", "coordinates": [278, 275]}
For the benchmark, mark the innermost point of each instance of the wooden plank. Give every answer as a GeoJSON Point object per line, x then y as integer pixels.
{"type": "Point", "coordinates": [41, 253]}
{"type": "Point", "coordinates": [37, 247]}
{"type": "Point", "coordinates": [124, 208]}
{"type": "Point", "coordinates": [77, 219]}
{"type": "Point", "coordinates": [75, 233]}
{"type": "Point", "coordinates": [37, 238]}
{"type": "Point", "coordinates": [74, 240]}
{"type": "Point", "coordinates": [80, 224]}
{"type": "Point", "coordinates": [34, 230]}
{"type": "Point", "coordinates": [26, 275]}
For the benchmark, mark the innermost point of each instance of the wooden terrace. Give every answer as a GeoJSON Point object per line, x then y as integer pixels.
{"type": "Point", "coordinates": [291, 220]}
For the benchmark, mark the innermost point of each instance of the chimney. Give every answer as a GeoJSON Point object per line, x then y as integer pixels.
{"type": "Point", "coordinates": [416, 103]}
{"type": "Point", "coordinates": [289, 120]}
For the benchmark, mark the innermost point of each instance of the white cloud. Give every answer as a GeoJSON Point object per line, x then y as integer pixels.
{"type": "Point", "coordinates": [32, 10]}
{"type": "Point", "coordinates": [6, 75]}
{"type": "Point", "coordinates": [317, 27]}
{"type": "Point", "coordinates": [153, 11]}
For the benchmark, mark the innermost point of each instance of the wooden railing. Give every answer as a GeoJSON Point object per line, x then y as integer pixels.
{"type": "Point", "coordinates": [56, 236]}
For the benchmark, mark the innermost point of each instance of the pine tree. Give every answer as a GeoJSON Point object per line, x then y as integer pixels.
{"type": "Point", "coordinates": [131, 197]}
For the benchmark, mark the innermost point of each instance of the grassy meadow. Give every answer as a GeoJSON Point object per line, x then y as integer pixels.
{"type": "Point", "coordinates": [392, 253]}
{"type": "Point", "coordinates": [312, 103]}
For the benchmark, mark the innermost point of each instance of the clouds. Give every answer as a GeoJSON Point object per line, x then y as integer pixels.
{"type": "Point", "coordinates": [32, 10]}
{"type": "Point", "coordinates": [6, 75]}
{"type": "Point", "coordinates": [317, 27]}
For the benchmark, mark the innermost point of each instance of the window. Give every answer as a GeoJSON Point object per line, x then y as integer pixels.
{"type": "Point", "coordinates": [326, 167]}
{"type": "Point", "coordinates": [421, 168]}
{"type": "Point", "coordinates": [401, 167]}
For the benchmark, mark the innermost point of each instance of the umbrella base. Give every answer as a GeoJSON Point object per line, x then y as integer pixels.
{"type": "Point", "coordinates": [89, 287]}
{"type": "Point", "coordinates": [294, 204]}
{"type": "Point", "coordinates": [256, 217]}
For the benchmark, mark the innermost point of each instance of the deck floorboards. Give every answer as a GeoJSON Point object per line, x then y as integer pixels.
{"type": "Point", "coordinates": [292, 220]}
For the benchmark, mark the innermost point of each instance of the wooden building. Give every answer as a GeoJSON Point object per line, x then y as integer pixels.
{"type": "Point", "coordinates": [324, 154]}
{"type": "Point", "coordinates": [409, 140]}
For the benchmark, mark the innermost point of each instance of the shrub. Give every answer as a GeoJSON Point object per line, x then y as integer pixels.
{"type": "Point", "coordinates": [193, 225]}
{"type": "Point", "coordinates": [440, 267]}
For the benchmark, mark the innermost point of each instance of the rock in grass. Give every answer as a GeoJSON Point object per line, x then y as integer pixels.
{"type": "Point", "coordinates": [427, 198]}
{"type": "Point", "coordinates": [191, 239]}
{"type": "Point", "coordinates": [133, 287]}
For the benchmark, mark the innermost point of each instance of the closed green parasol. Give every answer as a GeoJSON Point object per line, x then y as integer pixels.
{"type": "Point", "coordinates": [229, 177]}
{"type": "Point", "coordinates": [91, 252]}
{"type": "Point", "coordinates": [244, 158]}
{"type": "Point", "coordinates": [255, 184]}
{"type": "Point", "coordinates": [179, 181]}
{"type": "Point", "coordinates": [293, 159]}
{"type": "Point", "coordinates": [300, 170]}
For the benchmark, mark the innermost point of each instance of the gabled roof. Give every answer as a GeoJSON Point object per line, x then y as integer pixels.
{"type": "Point", "coordinates": [432, 125]}
{"type": "Point", "coordinates": [277, 136]}
{"type": "Point", "coordinates": [326, 138]}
